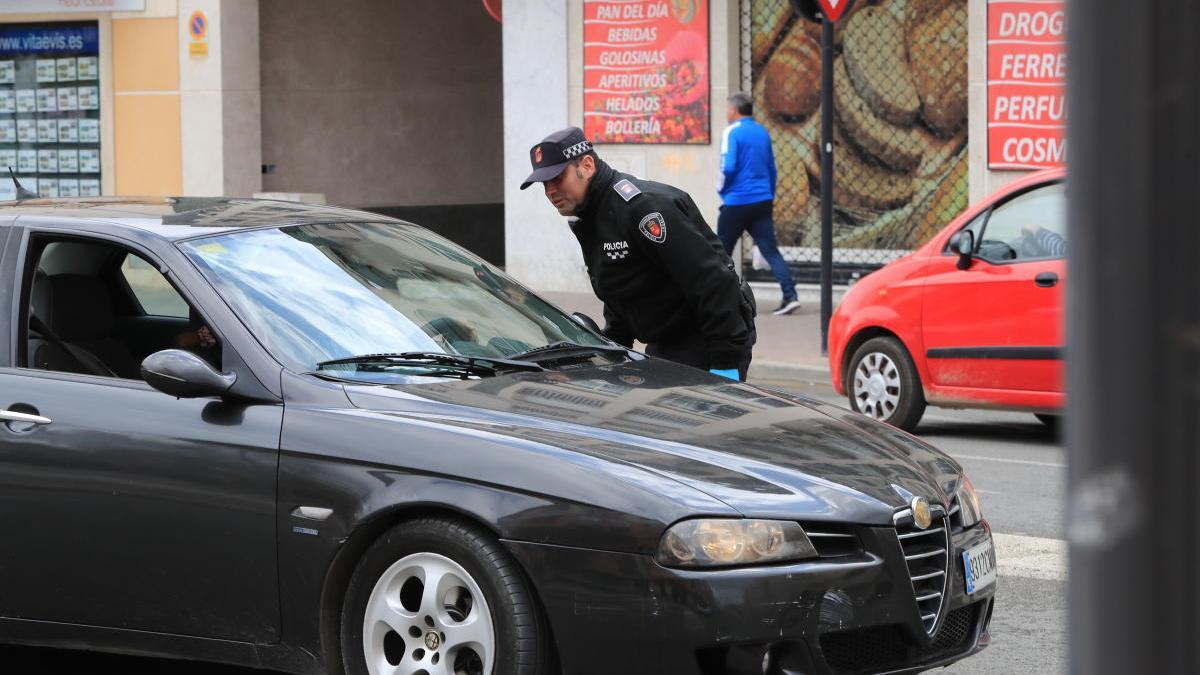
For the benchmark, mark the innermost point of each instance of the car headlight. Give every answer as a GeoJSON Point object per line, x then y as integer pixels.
{"type": "Point", "coordinates": [970, 509]}
{"type": "Point", "coordinates": [713, 542]}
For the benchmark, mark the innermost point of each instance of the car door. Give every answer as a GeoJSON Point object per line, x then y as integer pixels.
{"type": "Point", "coordinates": [126, 508]}
{"type": "Point", "coordinates": [997, 325]}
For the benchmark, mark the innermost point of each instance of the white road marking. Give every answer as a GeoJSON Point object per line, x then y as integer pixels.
{"type": "Point", "coordinates": [1005, 460]}
{"type": "Point", "coordinates": [1031, 557]}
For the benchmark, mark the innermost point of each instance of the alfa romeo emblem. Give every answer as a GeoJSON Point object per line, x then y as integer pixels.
{"type": "Point", "coordinates": [921, 515]}
{"type": "Point", "coordinates": [432, 641]}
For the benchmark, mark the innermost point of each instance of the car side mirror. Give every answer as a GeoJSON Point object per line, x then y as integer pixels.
{"type": "Point", "coordinates": [963, 243]}
{"type": "Point", "coordinates": [182, 374]}
{"type": "Point", "coordinates": [586, 321]}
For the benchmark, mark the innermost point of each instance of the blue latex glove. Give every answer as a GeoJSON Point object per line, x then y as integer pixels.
{"type": "Point", "coordinates": [729, 373]}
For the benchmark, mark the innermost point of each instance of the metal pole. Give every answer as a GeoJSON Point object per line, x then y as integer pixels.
{"type": "Point", "coordinates": [826, 180]}
{"type": "Point", "coordinates": [1133, 428]}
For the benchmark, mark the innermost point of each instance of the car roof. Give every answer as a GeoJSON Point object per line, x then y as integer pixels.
{"type": "Point", "coordinates": [185, 217]}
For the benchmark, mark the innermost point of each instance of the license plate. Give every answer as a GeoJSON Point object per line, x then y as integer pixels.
{"type": "Point", "coordinates": [979, 565]}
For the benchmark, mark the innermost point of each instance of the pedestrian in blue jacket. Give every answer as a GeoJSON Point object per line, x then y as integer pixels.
{"type": "Point", "coordinates": [747, 190]}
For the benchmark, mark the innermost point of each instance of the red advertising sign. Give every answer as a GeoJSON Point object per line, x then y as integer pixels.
{"type": "Point", "coordinates": [645, 71]}
{"type": "Point", "coordinates": [1026, 93]}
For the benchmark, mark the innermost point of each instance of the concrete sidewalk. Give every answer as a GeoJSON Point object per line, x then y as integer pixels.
{"type": "Point", "coordinates": [788, 348]}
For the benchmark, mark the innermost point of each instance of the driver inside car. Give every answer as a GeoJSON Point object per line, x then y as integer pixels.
{"type": "Point", "coordinates": [1040, 242]}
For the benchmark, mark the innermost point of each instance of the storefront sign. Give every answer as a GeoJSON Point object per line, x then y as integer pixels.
{"type": "Point", "coordinates": [49, 39]}
{"type": "Point", "coordinates": [645, 71]}
{"type": "Point", "coordinates": [1027, 70]}
{"type": "Point", "coordinates": [56, 6]}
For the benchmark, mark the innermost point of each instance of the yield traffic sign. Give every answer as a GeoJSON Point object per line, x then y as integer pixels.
{"type": "Point", "coordinates": [832, 9]}
{"type": "Point", "coordinates": [813, 10]}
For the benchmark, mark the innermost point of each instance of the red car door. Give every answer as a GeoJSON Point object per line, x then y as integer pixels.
{"type": "Point", "coordinates": [997, 325]}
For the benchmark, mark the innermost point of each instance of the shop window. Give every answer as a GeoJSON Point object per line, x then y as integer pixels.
{"type": "Point", "coordinates": [50, 108]}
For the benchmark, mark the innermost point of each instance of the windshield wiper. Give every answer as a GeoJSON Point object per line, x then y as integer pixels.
{"type": "Point", "coordinates": [563, 349]}
{"type": "Point", "coordinates": [441, 364]}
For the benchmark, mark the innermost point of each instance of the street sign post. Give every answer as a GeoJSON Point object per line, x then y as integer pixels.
{"type": "Point", "coordinates": [827, 12]}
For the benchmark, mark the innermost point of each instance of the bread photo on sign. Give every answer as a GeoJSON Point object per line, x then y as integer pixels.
{"type": "Point", "coordinates": [863, 184]}
{"type": "Point", "coordinates": [766, 23]}
{"type": "Point", "coordinates": [916, 11]}
{"type": "Point", "coordinates": [900, 106]}
{"type": "Point", "coordinates": [899, 147]}
{"type": "Point", "coordinates": [936, 38]}
{"type": "Point", "coordinates": [947, 201]}
{"type": "Point", "coordinates": [792, 191]}
{"type": "Point", "coordinates": [877, 63]}
{"type": "Point", "coordinates": [793, 76]}
{"type": "Point", "coordinates": [939, 152]}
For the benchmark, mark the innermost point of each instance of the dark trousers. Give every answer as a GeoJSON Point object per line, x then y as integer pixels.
{"type": "Point", "coordinates": [692, 352]}
{"type": "Point", "coordinates": [756, 218]}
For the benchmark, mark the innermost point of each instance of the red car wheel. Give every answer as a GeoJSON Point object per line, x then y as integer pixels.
{"type": "Point", "coordinates": [882, 383]}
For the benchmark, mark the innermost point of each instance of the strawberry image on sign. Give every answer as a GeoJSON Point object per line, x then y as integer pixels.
{"type": "Point", "coordinates": [654, 226]}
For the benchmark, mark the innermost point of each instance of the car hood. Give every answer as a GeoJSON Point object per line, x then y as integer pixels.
{"type": "Point", "coordinates": [765, 453]}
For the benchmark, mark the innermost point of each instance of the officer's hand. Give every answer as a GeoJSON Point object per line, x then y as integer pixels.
{"type": "Point", "coordinates": [729, 373]}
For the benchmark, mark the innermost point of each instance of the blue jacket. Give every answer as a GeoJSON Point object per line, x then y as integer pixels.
{"type": "Point", "coordinates": [747, 164]}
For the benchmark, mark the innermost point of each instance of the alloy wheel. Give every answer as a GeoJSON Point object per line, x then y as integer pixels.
{"type": "Point", "coordinates": [877, 386]}
{"type": "Point", "coordinates": [427, 616]}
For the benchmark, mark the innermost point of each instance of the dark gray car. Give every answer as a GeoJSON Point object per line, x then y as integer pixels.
{"type": "Point", "coordinates": [322, 441]}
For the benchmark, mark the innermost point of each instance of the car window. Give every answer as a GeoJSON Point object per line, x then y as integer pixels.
{"type": "Point", "coordinates": [312, 293]}
{"type": "Point", "coordinates": [156, 295]}
{"type": "Point", "coordinates": [975, 227]}
{"type": "Point", "coordinates": [82, 320]}
{"type": "Point", "coordinates": [1031, 226]}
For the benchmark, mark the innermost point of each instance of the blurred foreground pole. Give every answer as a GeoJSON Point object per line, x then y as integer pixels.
{"type": "Point", "coordinates": [1133, 426]}
{"type": "Point", "coordinates": [827, 179]}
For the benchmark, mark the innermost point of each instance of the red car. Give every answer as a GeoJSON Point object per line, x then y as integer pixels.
{"type": "Point", "coordinates": [972, 319]}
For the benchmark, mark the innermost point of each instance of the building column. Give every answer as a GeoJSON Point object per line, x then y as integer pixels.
{"type": "Point", "coordinates": [540, 250]}
{"type": "Point", "coordinates": [221, 105]}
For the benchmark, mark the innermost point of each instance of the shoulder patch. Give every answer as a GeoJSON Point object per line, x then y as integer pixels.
{"type": "Point", "coordinates": [654, 226]}
{"type": "Point", "coordinates": [626, 189]}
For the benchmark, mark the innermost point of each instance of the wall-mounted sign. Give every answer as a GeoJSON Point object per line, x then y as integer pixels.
{"type": "Point", "coordinates": [57, 6]}
{"type": "Point", "coordinates": [645, 71]}
{"type": "Point", "coordinates": [197, 28]}
{"type": "Point", "coordinates": [1027, 71]}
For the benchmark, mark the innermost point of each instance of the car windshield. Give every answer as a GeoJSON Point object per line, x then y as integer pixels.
{"type": "Point", "coordinates": [315, 293]}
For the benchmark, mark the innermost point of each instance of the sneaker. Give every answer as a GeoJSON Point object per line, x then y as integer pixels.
{"type": "Point", "coordinates": [787, 307]}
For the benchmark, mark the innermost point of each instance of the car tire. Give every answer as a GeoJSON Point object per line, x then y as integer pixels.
{"type": "Point", "coordinates": [882, 383]}
{"type": "Point", "coordinates": [481, 596]}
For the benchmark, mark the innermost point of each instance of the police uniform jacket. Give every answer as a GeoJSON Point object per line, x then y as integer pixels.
{"type": "Point", "coordinates": [659, 268]}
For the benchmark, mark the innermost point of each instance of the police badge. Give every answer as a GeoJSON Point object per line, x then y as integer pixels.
{"type": "Point", "coordinates": [654, 226]}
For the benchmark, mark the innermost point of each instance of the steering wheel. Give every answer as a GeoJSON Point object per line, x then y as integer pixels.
{"type": "Point", "coordinates": [994, 249]}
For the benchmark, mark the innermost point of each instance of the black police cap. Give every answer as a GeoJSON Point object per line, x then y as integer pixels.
{"type": "Point", "coordinates": [554, 153]}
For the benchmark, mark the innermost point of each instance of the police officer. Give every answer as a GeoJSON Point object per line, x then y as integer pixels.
{"type": "Point", "coordinates": [658, 267]}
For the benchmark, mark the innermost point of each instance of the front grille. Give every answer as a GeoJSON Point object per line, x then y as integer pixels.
{"type": "Point", "coordinates": [865, 650]}
{"type": "Point", "coordinates": [925, 551]}
{"type": "Point", "coordinates": [870, 650]}
{"type": "Point", "coordinates": [956, 629]}
{"type": "Point", "coordinates": [833, 540]}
